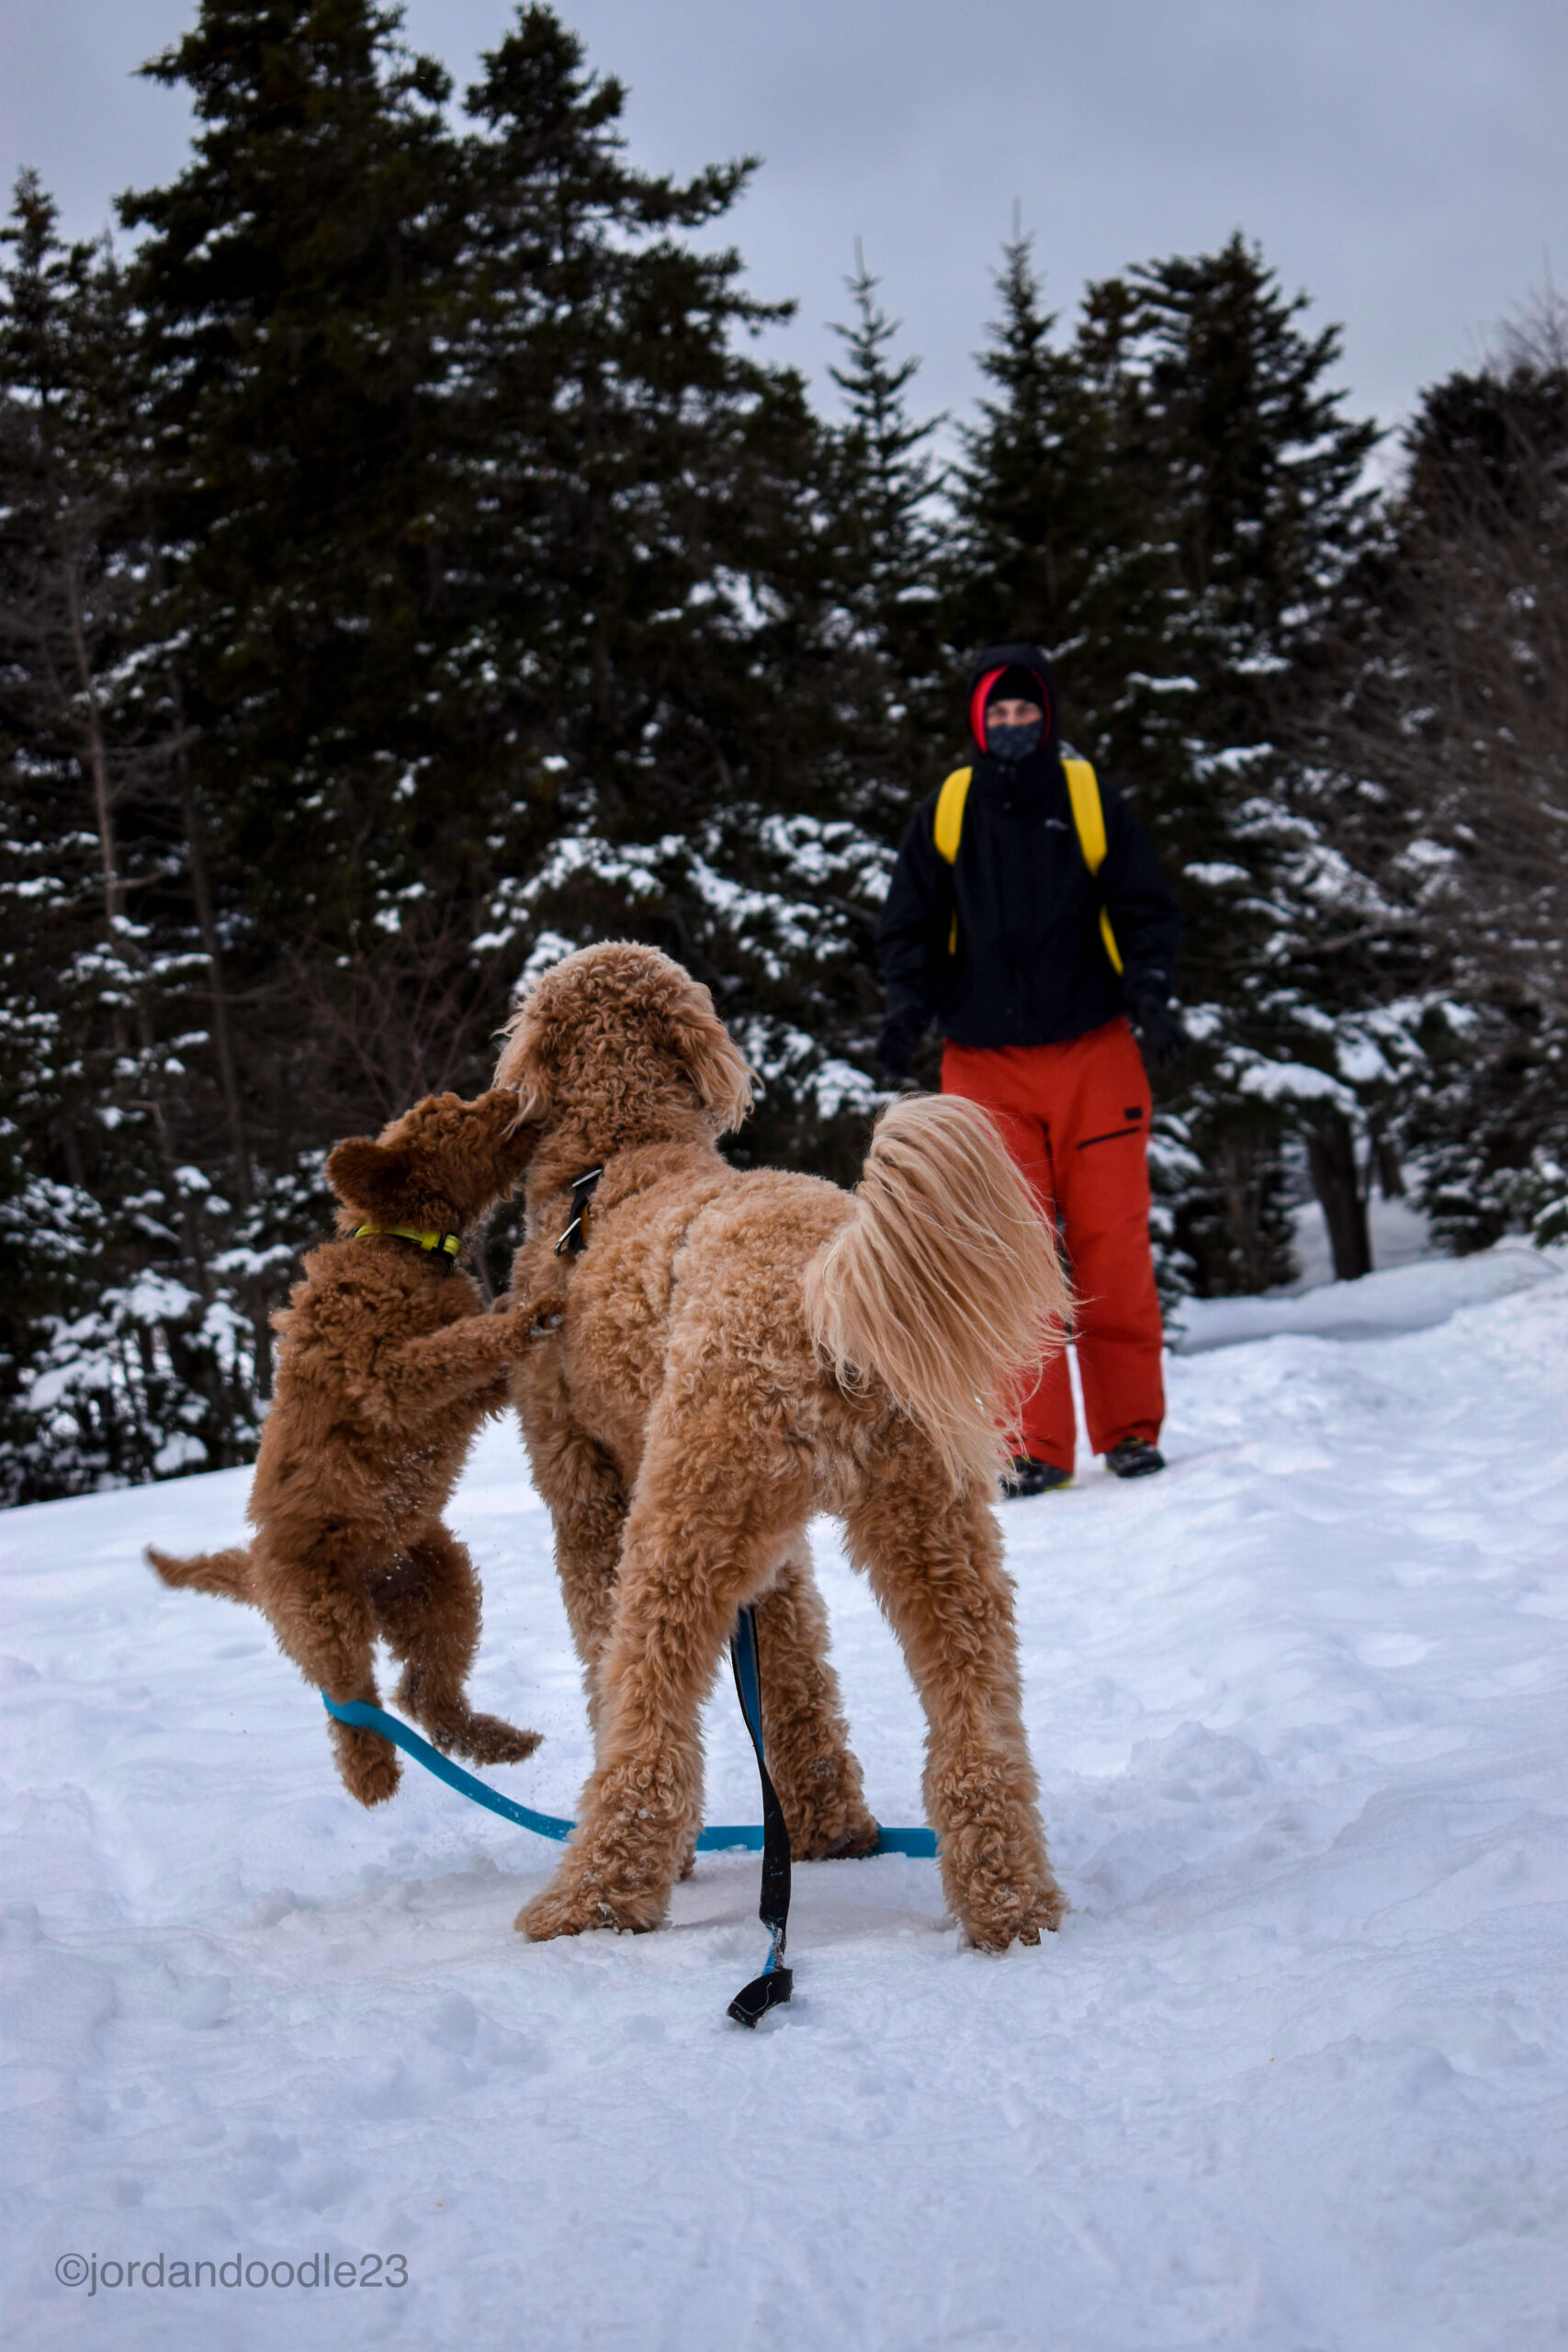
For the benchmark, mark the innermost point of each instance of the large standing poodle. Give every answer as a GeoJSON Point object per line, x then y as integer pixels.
{"type": "Point", "coordinates": [738, 1350]}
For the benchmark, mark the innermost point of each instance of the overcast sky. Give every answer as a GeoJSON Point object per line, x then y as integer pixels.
{"type": "Point", "coordinates": [1406, 162]}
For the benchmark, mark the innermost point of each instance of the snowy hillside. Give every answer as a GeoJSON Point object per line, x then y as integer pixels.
{"type": "Point", "coordinates": [1291, 2078]}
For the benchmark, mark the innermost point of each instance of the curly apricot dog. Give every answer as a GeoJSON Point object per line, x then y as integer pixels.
{"type": "Point", "coordinates": [740, 1351]}
{"type": "Point", "coordinates": [385, 1371]}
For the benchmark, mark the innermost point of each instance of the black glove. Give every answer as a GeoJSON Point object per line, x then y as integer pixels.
{"type": "Point", "coordinates": [1164, 1038]}
{"type": "Point", "coordinates": [900, 1034]}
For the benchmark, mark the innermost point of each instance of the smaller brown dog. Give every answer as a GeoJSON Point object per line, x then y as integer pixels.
{"type": "Point", "coordinates": [385, 1371]}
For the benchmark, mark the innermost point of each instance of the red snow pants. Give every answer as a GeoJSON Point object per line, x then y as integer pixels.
{"type": "Point", "coordinates": [1075, 1119]}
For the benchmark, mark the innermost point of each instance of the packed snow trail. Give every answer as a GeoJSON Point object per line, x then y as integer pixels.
{"type": "Point", "coordinates": [1290, 2079]}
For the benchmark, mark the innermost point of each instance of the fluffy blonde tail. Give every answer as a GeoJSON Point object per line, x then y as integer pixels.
{"type": "Point", "coordinates": [228, 1573]}
{"type": "Point", "coordinates": [944, 1286]}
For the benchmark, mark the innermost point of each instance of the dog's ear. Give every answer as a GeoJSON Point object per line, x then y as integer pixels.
{"type": "Point", "coordinates": [512, 1138]}
{"type": "Point", "coordinates": [367, 1175]}
{"type": "Point", "coordinates": [714, 1062]}
{"type": "Point", "coordinates": [519, 1071]}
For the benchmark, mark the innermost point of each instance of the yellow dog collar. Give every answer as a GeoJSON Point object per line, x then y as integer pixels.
{"type": "Point", "coordinates": [447, 1243]}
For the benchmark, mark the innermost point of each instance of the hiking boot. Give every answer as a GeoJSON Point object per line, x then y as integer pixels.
{"type": "Point", "coordinates": [1133, 1458]}
{"type": "Point", "coordinates": [1027, 1476]}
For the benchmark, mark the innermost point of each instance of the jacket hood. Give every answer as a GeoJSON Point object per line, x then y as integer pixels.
{"type": "Point", "coordinates": [988, 665]}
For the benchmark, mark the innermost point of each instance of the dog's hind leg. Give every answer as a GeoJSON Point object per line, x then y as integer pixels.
{"type": "Point", "coordinates": [428, 1611]}
{"type": "Point", "coordinates": [934, 1559]}
{"type": "Point", "coordinates": [704, 1535]}
{"type": "Point", "coordinates": [809, 1759]}
{"type": "Point", "coordinates": [322, 1620]}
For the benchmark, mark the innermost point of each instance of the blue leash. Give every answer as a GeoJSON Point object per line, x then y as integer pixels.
{"type": "Point", "coordinates": [722, 1838]}
{"type": "Point", "coordinates": [776, 1982]}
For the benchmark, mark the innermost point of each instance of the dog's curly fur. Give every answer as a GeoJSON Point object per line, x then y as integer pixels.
{"type": "Point", "coordinates": [386, 1369]}
{"type": "Point", "coordinates": [738, 1350]}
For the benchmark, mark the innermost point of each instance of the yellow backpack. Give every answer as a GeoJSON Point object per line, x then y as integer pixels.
{"type": "Point", "coordinates": [1089, 820]}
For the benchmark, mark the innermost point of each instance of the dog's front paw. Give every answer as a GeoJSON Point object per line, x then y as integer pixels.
{"type": "Point", "coordinates": [638, 1820]}
{"type": "Point", "coordinates": [1010, 1915]}
{"type": "Point", "coordinates": [861, 1836]}
{"type": "Point", "coordinates": [530, 1324]}
{"type": "Point", "coordinates": [838, 1836]}
{"type": "Point", "coordinates": [568, 1906]}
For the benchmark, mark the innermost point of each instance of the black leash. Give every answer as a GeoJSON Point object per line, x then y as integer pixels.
{"type": "Point", "coordinates": [776, 1982]}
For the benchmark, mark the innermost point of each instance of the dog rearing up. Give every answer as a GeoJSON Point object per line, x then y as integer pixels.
{"type": "Point", "coordinates": [386, 1369]}
{"type": "Point", "coordinates": [740, 1350]}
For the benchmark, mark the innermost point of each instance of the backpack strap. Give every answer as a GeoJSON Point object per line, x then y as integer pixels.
{"type": "Point", "coordinates": [1088, 817]}
{"type": "Point", "coordinates": [949, 826]}
{"type": "Point", "coordinates": [948, 830]}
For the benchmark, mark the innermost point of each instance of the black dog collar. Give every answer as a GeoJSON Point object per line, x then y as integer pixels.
{"type": "Point", "coordinates": [574, 1240]}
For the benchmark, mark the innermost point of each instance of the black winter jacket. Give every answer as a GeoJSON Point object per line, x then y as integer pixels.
{"type": "Point", "coordinates": [1030, 967]}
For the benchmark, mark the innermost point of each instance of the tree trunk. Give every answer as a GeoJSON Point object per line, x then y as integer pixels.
{"type": "Point", "coordinates": [254, 1292]}
{"type": "Point", "coordinates": [206, 914]}
{"type": "Point", "coordinates": [120, 933]}
{"type": "Point", "coordinates": [1384, 1159]}
{"type": "Point", "coordinates": [1245, 1165]}
{"type": "Point", "coordinates": [1331, 1155]}
{"type": "Point", "coordinates": [97, 763]}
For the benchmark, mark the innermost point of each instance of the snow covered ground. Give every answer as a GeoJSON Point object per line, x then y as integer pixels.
{"type": "Point", "coordinates": [1290, 2079]}
{"type": "Point", "coordinates": [1412, 1297]}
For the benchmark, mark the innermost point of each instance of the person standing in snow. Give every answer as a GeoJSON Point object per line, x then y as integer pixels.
{"type": "Point", "coordinates": [1028, 915]}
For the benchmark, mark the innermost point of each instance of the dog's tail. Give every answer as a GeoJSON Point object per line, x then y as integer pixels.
{"type": "Point", "coordinates": [944, 1284]}
{"type": "Point", "coordinates": [228, 1573]}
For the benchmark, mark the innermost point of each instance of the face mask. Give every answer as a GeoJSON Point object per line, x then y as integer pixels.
{"type": "Point", "coordinates": [1011, 743]}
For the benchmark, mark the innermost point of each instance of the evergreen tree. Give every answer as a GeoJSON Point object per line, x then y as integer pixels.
{"type": "Point", "coordinates": [489, 528]}
{"type": "Point", "coordinates": [1256, 477]}
{"type": "Point", "coordinates": [301, 298]}
{"type": "Point", "coordinates": [658, 501]}
{"type": "Point", "coordinates": [119, 1355]}
{"type": "Point", "coordinates": [1434, 763]}
{"type": "Point", "coordinates": [633, 460]}
{"type": "Point", "coordinates": [883, 490]}
{"type": "Point", "coordinates": [1052, 542]}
